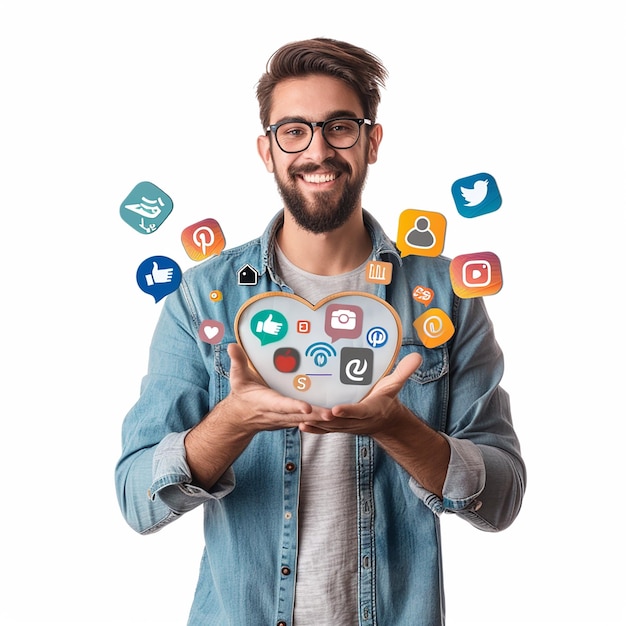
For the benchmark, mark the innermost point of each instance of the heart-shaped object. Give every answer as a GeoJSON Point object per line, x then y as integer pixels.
{"type": "Point", "coordinates": [328, 354]}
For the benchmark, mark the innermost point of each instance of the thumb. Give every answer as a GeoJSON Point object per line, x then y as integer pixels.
{"type": "Point", "coordinates": [154, 266]}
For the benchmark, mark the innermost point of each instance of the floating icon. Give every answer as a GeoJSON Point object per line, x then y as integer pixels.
{"type": "Point", "coordinates": [211, 331]}
{"type": "Point", "coordinates": [146, 207]}
{"type": "Point", "coordinates": [434, 327]}
{"type": "Point", "coordinates": [378, 272]}
{"type": "Point", "coordinates": [216, 296]}
{"type": "Point", "coordinates": [158, 276]}
{"type": "Point", "coordinates": [203, 239]}
{"type": "Point", "coordinates": [476, 195]}
{"type": "Point", "coordinates": [423, 295]}
{"type": "Point", "coordinates": [476, 274]}
{"type": "Point", "coordinates": [421, 232]}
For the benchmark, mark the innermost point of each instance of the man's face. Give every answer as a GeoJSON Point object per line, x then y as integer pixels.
{"type": "Point", "coordinates": [321, 186]}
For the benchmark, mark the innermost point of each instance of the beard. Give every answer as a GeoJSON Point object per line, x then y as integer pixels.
{"type": "Point", "coordinates": [324, 213]}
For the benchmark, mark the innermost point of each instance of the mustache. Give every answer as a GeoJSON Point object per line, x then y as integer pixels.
{"type": "Point", "coordinates": [331, 163]}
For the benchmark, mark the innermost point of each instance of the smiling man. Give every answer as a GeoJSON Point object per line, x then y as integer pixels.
{"type": "Point", "coordinates": [319, 516]}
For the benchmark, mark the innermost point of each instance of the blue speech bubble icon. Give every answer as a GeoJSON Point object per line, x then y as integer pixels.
{"type": "Point", "coordinates": [158, 276]}
{"type": "Point", "coordinates": [146, 207]}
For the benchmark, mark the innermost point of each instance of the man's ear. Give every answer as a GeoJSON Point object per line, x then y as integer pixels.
{"type": "Point", "coordinates": [264, 149]}
{"type": "Point", "coordinates": [375, 137]}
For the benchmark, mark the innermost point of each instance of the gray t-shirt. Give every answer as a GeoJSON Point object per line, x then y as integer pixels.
{"type": "Point", "coordinates": [327, 573]}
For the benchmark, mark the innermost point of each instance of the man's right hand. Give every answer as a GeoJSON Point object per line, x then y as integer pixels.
{"type": "Point", "coordinates": [251, 407]}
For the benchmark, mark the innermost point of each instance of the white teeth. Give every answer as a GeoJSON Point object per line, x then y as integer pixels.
{"type": "Point", "coordinates": [319, 178]}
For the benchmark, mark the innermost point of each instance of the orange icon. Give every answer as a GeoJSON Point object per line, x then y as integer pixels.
{"type": "Point", "coordinates": [434, 327]}
{"type": "Point", "coordinates": [302, 382]}
{"type": "Point", "coordinates": [421, 232]}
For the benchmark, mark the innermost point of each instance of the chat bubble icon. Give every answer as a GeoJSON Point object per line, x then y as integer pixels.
{"type": "Point", "coordinates": [421, 232]}
{"type": "Point", "coordinates": [158, 276]}
{"type": "Point", "coordinates": [269, 326]}
{"type": "Point", "coordinates": [423, 295]}
{"type": "Point", "coordinates": [146, 207]}
{"type": "Point", "coordinates": [343, 321]}
{"type": "Point", "coordinates": [203, 239]}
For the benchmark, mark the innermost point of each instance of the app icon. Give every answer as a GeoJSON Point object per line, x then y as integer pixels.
{"type": "Point", "coordinates": [356, 366]}
{"type": "Point", "coordinates": [343, 321]}
{"type": "Point", "coordinates": [269, 326]}
{"type": "Point", "coordinates": [320, 352]}
{"type": "Point", "coordinates": [476, 195]}
{"type": "Point", "coordinates": [211, 331]}
{"type": "Point", "coordinates": [286, 360]}
{"type": "Point", "coordinates": [423, 295]}
{"type": "Point", "coordinates": [476, 274]}
{"type": "Point", "coordinates": [303, 326]}
{"type": "Point", "coordinates": [216, 295]}
{"type": "Point", "coordinates": [146, 207]}
{"type": "Point", "coordinates": [158, 276]}
{"type": "Point", "coordinates": [434, 327]}
{"type": "Point", "coordinates": [377, 337]}
{"type": "Point", "coordinates": [421, 232]}
{"type": "Point", "coordinates": [378, 272]}
{"type": "Point", "coordinates": [302, 382]}
{"type": "Point", "coordinates": [203, 240]}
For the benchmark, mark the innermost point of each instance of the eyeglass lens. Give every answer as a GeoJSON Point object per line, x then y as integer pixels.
{"type": "Point", "coordinates": [296, 136]}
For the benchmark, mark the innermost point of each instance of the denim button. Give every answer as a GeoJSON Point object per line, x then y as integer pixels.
{"type": "Point", "coordinates": [290, 466]}
{"type": "Point", "coordinates": [285, 571]}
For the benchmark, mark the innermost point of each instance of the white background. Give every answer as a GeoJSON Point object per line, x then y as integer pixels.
{"type": "Point", "coordinates": [98, 96]}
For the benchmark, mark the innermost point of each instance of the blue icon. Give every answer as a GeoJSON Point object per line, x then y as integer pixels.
{"type": "Point", "coordinates": [476, 195]}
{"type": "Point", "coordinates": [321, 352]}
{"type": "Point", "coordinates": [158, 276]}
{"type": "Point", "coordinates": [145, 208]}
{"type": "Point", "coordinates": [377, 337]}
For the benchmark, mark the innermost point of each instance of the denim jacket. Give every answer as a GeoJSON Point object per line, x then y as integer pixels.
{"type": "Point", "coordinates": [249, 563]}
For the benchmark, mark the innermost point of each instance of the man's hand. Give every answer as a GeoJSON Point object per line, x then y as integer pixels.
{"type": "Point", "coordinates": [421, 451]}
{"type": "Point", "coordinates": [376, 412]}
{"type": "Point", "coordinates": [251, 407]}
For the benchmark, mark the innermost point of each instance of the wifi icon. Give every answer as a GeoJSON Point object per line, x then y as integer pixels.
{"type": "Point", "coordinates": [320, 351]}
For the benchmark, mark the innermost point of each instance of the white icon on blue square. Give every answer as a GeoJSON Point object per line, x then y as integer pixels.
{"type": "Point", "coordinates": [476, 195]}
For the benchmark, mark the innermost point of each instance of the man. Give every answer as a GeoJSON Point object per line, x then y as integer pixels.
{"type": "Point", "coordinates": [319, 516]}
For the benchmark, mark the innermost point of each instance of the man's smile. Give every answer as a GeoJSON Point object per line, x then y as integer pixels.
{"type": "Point", "coordinates": [319, 178]}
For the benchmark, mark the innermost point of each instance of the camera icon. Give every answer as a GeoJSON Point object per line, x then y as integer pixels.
{"type": "Point", "coordinates": [343, 319]}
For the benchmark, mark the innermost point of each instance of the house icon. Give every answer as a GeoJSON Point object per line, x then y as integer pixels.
{"type": "Point", "coordinates": [247, 275]}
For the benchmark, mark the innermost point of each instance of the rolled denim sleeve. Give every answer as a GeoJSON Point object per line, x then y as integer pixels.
{"type": "Point", "coordinates": [172, 481]}
{"type": "Point", "coordinates": [465, 479]}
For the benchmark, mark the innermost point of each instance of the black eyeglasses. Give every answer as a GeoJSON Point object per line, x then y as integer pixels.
{"type": "Point", "coordinates": [296, 135]}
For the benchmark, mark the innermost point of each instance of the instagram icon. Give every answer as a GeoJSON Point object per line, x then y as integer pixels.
{"type": "Point", "coordinates": [476, 274]}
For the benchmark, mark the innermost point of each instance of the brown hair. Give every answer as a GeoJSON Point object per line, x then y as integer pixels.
{"type": "Point", "coordinates": [363, 72]}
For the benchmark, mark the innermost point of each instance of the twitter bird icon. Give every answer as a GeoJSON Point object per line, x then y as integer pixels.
{"type": "Point", "coordinates": [476, 195]}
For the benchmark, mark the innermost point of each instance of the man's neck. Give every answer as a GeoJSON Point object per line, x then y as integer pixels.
{"type": "Point", "coordinates": [326, 254]}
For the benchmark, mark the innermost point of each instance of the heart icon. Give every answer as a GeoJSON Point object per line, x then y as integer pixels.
{"type": "Point", "coordinates": [327, 354]}
{"type": "Point", "coordinates": [211, 331]}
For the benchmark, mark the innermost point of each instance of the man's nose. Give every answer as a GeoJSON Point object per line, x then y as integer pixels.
{"type": "Point", "coordinates": [319, 149]}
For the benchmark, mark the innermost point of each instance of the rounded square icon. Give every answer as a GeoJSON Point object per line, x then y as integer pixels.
{"type": "Point", "coordinates": [476, 274]}
{"type": "Point", "coordinates": [203, 239]}
{"type": "Point", "coordinates": [421, 232]}
{"type": "Point", "coordinates": [434, 327]}
{"type": "Point", "coordinates": [476, 195]}
{"type": "Point", "coordinates": [146, 207]}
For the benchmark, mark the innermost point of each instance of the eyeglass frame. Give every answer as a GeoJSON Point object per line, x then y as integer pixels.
{"type": "Point", "coordinates": [361, 121]}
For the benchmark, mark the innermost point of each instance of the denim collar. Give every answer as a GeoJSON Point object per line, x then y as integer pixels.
{"type": "Point", "coordinates": [382, 246]}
